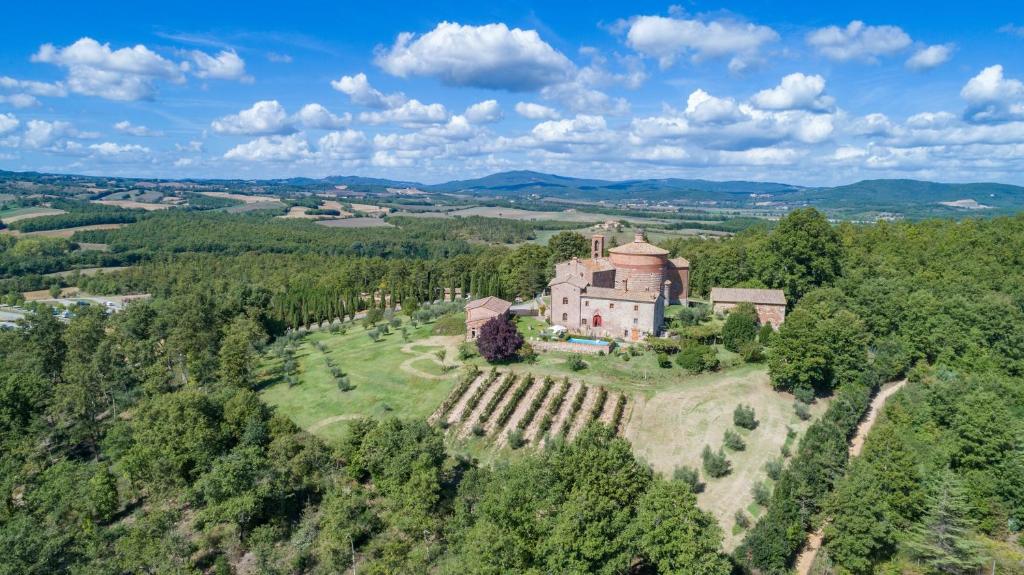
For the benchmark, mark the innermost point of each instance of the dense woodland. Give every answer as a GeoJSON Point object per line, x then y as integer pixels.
{"type": "Point", "coordinates": [91, 482]}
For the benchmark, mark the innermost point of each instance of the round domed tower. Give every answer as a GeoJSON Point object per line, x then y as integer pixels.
{"type": "Point", "coordinates": [639, 266]}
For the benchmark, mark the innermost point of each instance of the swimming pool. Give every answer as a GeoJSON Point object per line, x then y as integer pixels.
{"type": "Point", "coordinates": [587, 341]}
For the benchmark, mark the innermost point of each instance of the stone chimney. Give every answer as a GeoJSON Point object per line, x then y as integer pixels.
{"type": "Point", "coordinates": [597, 246]}
{"type": "Point", "coordinates": [638, 236]}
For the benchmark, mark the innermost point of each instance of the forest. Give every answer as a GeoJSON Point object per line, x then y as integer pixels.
{"type": "Point", "coordinates": [92, 485]}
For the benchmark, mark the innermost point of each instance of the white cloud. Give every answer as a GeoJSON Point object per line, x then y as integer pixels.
{"type": "Point", "coordinates": [191, 146]}
{"type": "Point", "coordinates": [875, 124]}
{"type": "Point", "coordinates": [667, 38]}
{"type": "Point", "coordinates": [348, 144]}
{"type": "Point", "coordinates": [278, 58]}
{"type": "Point", "coordinates": [759, 156]}
{"type": "Point", "coordinates": [411, 113]}
{"type": "Point", "coordinates": [703, 108]}
{"type": "Point", "coordinates": [20, 100]}
{"type": "Point", "coordinates": [930, 57]}
{"type": "Point", "coordinates": [95, 69]}
{"type": "Point", "coordinates": [316, 117]}
{"type": "Point", "coordinates": [264, 117]}
{"type": "Point", "coordinates": [795, 92]}
{"type": "Point", "coordinates": [126, 127]}
{"type": "Point", "coordinates": [534, 111]}
{"type": "Point", "coordinates": [847, 153]}
{"type": "Point", "coordinates": [991, 97]}
{"type": "Point", "coordinates": [931, 120]}
{"type": "Point", "coordinates": [489, 56]}
{"type": "Point", "coordinates": [271, 149]}
{"type": "Point", "coordinates": [40, 133]}
{"type": "Point", "coordinates": [485, 112]}
{"type": "Point", "coordinates": [858, 41]}
{"type": "Point", "coordinates": [583, 129]}
{"type": "Point", "coordinates": [581, 99]}
{"type": "Point", "coordinates": [49, 89]}
{"type": "Point", "coordinates": [360, 92]}
{"type": "Point", "coordinates": [226, 65]}
{"type": "Point", "coordinates": [8, 122]}
{"type": "Point", "coordinates": [111, 149]}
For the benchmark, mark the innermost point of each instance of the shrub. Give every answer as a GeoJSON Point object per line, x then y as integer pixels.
{"type": "Point", "coordinates": [802, 410]}
{"type": "Point", "coordinates": [527, 353]}
{"type": "Point", "coordinates": [740, 327]}
{"type": "Point", "coordinates": [804, 394]}
{"type": "Point", "coordinates": [715, 464]}
{"type": "Point", "coordinates": [695, 358]}
{"type": "Point", "coordinates": [733, 441]}
{"type": "Point", "coordinates": [374, 335]}
{"type": "Point", "coordinates": [466, 350]}
{"type": "Point", "coordinates": [662, 346]}
{"type": "Point", "coordinates": [752, 352]}
{"type": "Point", "coordinates": [620, 409]}
{"type": "Point", "coordinates": [694, 315]}
{"type": "Point", "coordinates": [689, 476]}
{"type": "Point", "coordinates": [742, 520]}
{"type": "Point", "coordinates": [515, 438]}
{"type": "Point", "coordinates": [478, 430]}
{"type": "Point", "coordinates": [762, 493]}
{"type": "Point", "coordinates": [575, 362]}
{"type": "Point", "coordinates": [744, 416]}
{"type": "Point", "coordinates": [343, 383]}
{"type": "Point", "coordinates": [598, 408]}
{"type": "Point", "coordinates": [773, 469]}
{"type": "Point", "coordinates": [499, 340]}
{"type": "Point", "coordinates": [449, 325]}
{"type": "Point", "coordinates": [765, 334]}
{"type": "Point", "coordinates": [663, 360]}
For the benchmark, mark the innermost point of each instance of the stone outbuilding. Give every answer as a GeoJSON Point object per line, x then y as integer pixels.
{"type": "Point", "coordinates": [481, 311]}
{"type": "Point", "coordinates": [769, 303]}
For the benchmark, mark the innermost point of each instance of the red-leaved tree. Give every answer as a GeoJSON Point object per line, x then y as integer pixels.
{"type": "Point", "coordinates": [499, 340]}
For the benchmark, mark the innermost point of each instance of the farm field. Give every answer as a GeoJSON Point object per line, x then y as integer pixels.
{"type": "Point", "coordinates": [300, 212]}
{"type": "Point", "coordinates": [242, 197]}
{"type": "Point", "coordinates": [355, 223]}
{"type": "Point", "coordinates": [134, 204]}
{"type": "Point", "coordinates": [16, 214]}
{"type": "Point", "coordinates": [65, 232]}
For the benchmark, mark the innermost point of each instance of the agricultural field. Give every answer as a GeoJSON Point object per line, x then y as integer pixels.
{"type": "Point", "coordinates": [65, 232]}
{"type": "Point", "coordinates": [355, 223]}
{"type": "Point", "coordinates": [16, 214]}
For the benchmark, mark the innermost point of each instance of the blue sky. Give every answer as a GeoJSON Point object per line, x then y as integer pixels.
{"type": "Point", "coordinates": [802, 92]}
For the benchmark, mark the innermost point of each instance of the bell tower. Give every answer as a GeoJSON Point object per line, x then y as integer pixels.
{"type": "Point", "coordinates": [597, 246]}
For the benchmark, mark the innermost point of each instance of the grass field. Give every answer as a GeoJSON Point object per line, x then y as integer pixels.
{"type": "Point", "coordinates": [387, 379]}
{"type": "Point", "coordinates": [355, 223]}
{"type": "Point", "coordinates": [15, 214]}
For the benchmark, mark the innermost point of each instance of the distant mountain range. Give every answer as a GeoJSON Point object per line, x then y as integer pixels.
{"type": "Point", "coordinates": [867, 199]}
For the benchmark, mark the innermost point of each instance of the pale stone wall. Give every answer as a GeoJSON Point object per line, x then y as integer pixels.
{"type": "Point", "coordinates": [619, 318]}
{"type": "Point", "coordinates": [571, 310]}
{"type": "Point", "coordinates": [569, 347]}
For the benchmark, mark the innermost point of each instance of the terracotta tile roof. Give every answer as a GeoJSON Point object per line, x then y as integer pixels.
{"type": "Point", "coordinates": [620, 294]}
{"type": "Point", "coordinates": [761, 296]}
{"type": "Point", "coordinates": [598, 264]}
{"type": "Point", "coordinates": [495, 304]}
{"type": "Point", "coordinates": [639, 247]}
{"type": "Point", "coordinates": [578, 282]}
{"type": "Point", "coordinates": [680, 262]}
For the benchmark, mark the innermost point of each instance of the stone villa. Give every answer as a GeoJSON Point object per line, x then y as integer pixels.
{"type": "Point", "coordinates": [623, 295]}
{"type": "Point", "coordinates": [769, 303]}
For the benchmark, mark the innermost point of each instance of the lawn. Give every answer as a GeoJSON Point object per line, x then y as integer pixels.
{"type": "Point", "coordinates": [387, 380]}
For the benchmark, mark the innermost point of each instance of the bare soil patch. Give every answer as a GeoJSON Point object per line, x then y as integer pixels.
{"type": "Point", "coordinates": [132, 204]}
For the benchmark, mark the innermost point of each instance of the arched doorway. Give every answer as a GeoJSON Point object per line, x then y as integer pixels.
{"type": "Point", "coordinates": [597, 320]}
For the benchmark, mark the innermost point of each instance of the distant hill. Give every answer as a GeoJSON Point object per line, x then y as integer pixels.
{"type": "Point", "coordinates": [914, 198]}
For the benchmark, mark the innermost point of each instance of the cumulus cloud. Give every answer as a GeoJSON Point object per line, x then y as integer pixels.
{"type": "Point", "coordinates": [42, 134]}
{"type": "Point", "coordinates": [126, 127]}
{"type": "Point", "coordinates": [582, 99]}
{"type": "Point", "coordinates": [485, 112]}
{"type": "Point", "coordinates": [704, 108]}
{"type": "Point", "coordinates": [875, 124]}
{"type": "Point", "coordinates": [112, 149]}
{"type": "Point", "coordinates": [411, 113]}
{"type": "Point", "coordinates": [34, 88]}
{"type": "Point", "coordinates": [19, 100]}
{"type": "Point", "coordinates": [360, 92]}
{"type": "Point", "coordinates": [583, 128]}
{"type": "Point", "coordinates": [347, 144]}
{"type": "Point", "coordinates": [95, 69]}
{"type": "Point", "coordinates": [8, 122]}
{"type": "Point", "coordinates": [316, 117]}
{"type": "Point", "coordinates": [858, 41]}
{"type": "Point", "coordinates": [930, 57]}
{"type": "Point", "coordinates": [534, 111]}
{"type": "Point", "coordinates": [489, 56]}
{"type": "Point", "coordinates": [271, 149]}
{"type": "Point", "coordinates": [226, 65]}
{"type": "Point", "coordinates": [667, 38]}
{"type": "Point", "coordinates": [268, 117]}
{"type": "Point", "coordinates": [991, 97]}
{"type": "Point", "coordinates": [795, 92]}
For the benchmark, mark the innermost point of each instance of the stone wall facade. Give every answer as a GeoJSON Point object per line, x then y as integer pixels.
{"type": "Point", "coordinates": [569, 347]}
{"type": "Point", "coordinates": [766, 313]}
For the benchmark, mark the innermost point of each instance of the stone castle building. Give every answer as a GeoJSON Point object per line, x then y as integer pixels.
{"type": "Point", "coordinates": [623, 295]}
{"type": "Point", "coordinates": [770, 304]}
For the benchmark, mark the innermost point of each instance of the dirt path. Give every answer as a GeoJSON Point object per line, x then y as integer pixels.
{"type": "Point", "coordinates": [805, 560]}
{"type": "Point", "coordinates": [462, 399]}
{"type": "Point", "coordinates": [434, 341]}
{"type": "Point", "coordinates": [492, 426]}
{"type": "Point", "coordinates": [531, 430]}
{"type": "Point", "coordinates": [563, 413]}
{"type": "Point", "coordinates": [609, 408]}
{"type": "Point", "coordinates": [456, 413]}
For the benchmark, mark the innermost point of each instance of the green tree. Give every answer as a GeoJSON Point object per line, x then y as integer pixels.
{"type": "Point", "coordinates": [674, 536]}
{"type": "Point", "coordinates": [238, 351]}
{"type": "Point", "coordinates": [566, 245]}
{"type": "Point", "coordinates": [740, 327]}
{"type": "Point", "coordinates": [943, 540]}
{"type": "Point", "coordinates": [804, 252]}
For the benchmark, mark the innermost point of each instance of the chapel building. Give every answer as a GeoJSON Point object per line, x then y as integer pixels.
{"type": "Point", "coordinates": [623, 295]}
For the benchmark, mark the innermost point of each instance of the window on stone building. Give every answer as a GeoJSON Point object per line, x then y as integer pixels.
{"type": "Point", "coordinates": [636, 308]}
{"type": "Point", "coordinates": [625, 333]}
{"type": "Point", "coordinates": [611, 306]}
{"type": "Point", "coordinates": [565, 316]}
{"type": "Point", "coordinates": [634, 321]}
{"type": "Point", "coordinates": [586, 304]}
{"type": "Point", "coordinates": [583, 321]}
{"type": "Point", "coordinates": [565, 301]}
